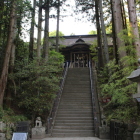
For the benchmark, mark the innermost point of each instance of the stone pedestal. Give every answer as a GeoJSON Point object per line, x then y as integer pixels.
{"type": "Point", "coordinates": [104, 132]}
{"type": "Point", "coordinates": [136, 134]}
{"type": "Point", "coordinates": [2, 126]}
{"type": "Point", "coordinates": [2, 136]}
{"type": "Point", "coordinates": [39, 131]}
{"type": "Point", "coordinates": [2, 129]}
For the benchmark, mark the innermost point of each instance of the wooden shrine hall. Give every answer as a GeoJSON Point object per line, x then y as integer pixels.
{"type": "Point", "coordinates": [76, 49]}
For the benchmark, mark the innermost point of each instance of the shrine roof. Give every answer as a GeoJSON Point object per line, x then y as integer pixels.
{"type": "Point", "coordinates": [79, 39]}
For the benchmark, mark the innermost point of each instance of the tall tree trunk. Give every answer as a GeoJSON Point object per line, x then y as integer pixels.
{"type": "Point", "coordinates": [123, 15]}
{"type": "Point", "coordinates": [134, 25]}
{"type": "Point", "coordinates": [99, 42]}
{"type": "Point", "coordinates": [115, 50]}
{"type": "Point", "coordinates": [1, 17]}
{"type": "Point", "coordinates": [118, 25]}
{"type": "Point", "coordinates": [57, 29]}
{"type": "Point", "coordinates": [46, 32]}
{"type": "Point", "coordinates": [31, 44]}
{"type": "Point", "coordinates": [4, 75]}
{"type": "Point", "coordinates": [39, 30]}
{"type": "Point", "coordinates": [105, 42]}
{"type": "Point", "coordinates": [11, 67]}
{"type": "Point", "coordinates": [100, 58]}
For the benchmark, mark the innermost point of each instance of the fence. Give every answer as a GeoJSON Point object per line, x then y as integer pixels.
{"type": "Point", "coordinates": [121, 131]}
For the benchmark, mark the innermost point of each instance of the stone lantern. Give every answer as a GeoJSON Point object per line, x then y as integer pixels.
{"type": "Point", "coordinates": [135, 77]}
{"type": "Point", "coordinates": [38, 132]}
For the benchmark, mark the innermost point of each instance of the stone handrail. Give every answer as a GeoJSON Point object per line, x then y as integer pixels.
{"type": "Point", "coordinates": [52, 115]}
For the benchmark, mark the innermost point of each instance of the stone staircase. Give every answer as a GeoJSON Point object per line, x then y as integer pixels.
{"type": "Point", "coordinates": [74, 116]}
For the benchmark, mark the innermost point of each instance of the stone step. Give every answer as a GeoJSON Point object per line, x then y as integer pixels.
{"type": "Point", "coordinates": [75, 107]}
{"type": "Point", "coordinates": [74, 127]}
{"type": "Point", "coordinates": [74, 118]}
{"type": "Point", "coordinates": [81, 107]}
{"type": "Point", "coordinates": [74, 121]}
{"type": "Point", "coordinates": [78, 70]}
{"type": "Point", "coordinates": [77, 73]}
{"type": "Point", "coordinates": [78, 77]}
{"type": "Point", "coordinates": [72, 133]}
{"type": "Point", "coordinates": [73, 71]}
{"type": "Point", "coordinates": [77, 82]}
{"type": "Point", "coordinates": [73, 111]}
{"type": "Point", "coordinates": [85, 90]}
{"type": "Point", "coordinates": [76, 97]}
{"type": "Point", "coordinates": [77, 86]}
{"type": "Point", "coordinates": [81, 99]}
{"type": "Point", "coordinates": [75, 115]}
{"type": "Point", "coordinates": [76, 94]}
{"type": "Point", "coordinates": [74, 104]}
{"type": "Point", "coordinates": [78, 102]}
{"type": "Point", "coordinates": [72, 98]}
{"type": "Point", "coordinates": [89, 134]}
{"type": "Point", "coordinates": [74, 124]}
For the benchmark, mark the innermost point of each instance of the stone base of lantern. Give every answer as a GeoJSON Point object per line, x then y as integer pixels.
{"type": "Point", "coordinates": [2, 136]}
{"type": "Point", "coordinates": [38, 133]}
{"type": "Point", "coordinates": [136, 134]}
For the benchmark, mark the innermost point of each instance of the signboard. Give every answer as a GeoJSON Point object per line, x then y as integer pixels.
{"type": "Point", "coordinates": [19, 136]}
{"type": "Point", "coordinates": [106, 100]}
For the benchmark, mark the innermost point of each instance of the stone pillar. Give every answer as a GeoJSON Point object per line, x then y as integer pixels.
{"type": "Point", "coordinates": [2, 127]}
{"type": "Point", "coordinates": [2, 136]}
{"type": "Point", "coordinates": [104, 130]}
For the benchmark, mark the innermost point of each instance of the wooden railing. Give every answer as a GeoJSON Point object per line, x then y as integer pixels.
{"type": "Point", "coordinates": [78, 65]}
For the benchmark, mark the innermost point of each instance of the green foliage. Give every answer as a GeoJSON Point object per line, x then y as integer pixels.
{"type": "Point", "coordinates": [52, 39]}
{"type": "Point", "coordinates": [23, 16]}
{"type": "Point", "coordinates": [39, 82]}
{"type": "Point", "coordinates": [53, 33]}
{"type": "Point", "coordinates": [93, 49]}
{"type": "Point", "coordinates": [9, 118]}
{"type": "Point", "coordinates": [92, 32]}
{"type": "Point", "coordinates": [115, 85]}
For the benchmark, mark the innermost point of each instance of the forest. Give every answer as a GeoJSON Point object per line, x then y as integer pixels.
{"type": "Point", "coordinates": [30, 71]}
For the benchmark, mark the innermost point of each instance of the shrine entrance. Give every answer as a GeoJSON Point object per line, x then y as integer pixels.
{"type": "Point", "coordinates": [77, 54]}
{"type": "Point", "coordinates": [79, 59]}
